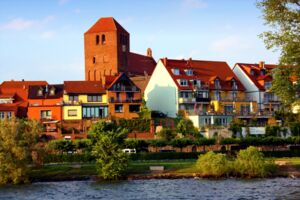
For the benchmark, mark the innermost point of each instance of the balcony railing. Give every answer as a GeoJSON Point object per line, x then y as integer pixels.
{"type": "Point", "coordinates": [231, 99]}
{"type": "Point", "coordinates": [273, 101]}
{"type": "Point", "coordinates": [125, 89]}
{"type": "Point", "coordinates": [72, 103]}
{"type": "Point", "coordinates": [128, 100]}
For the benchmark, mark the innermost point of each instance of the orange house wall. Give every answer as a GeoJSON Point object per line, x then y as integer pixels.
{"type": "Point", "coordinates": [34, 112]}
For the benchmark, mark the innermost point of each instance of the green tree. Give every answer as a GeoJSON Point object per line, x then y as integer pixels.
{"type": "Point", "coordinates": [236, 127]}
{"type": "Point", "coordinates": [166, 134]}
{"type": "Point", "coordinates": [283, 16]}
{"type": "Point", "coordinates": [18, 139]}
{"type": "Point", "coordinates": [109, 139]}
{"type": "Point", "coordinates": [186, 127]}
{"type": "Point", "coordinates": [145, 112]}
{"type": "Point", "coordinates": [213, 164]}
{"type": "Point", "coordinates": [251, 163]}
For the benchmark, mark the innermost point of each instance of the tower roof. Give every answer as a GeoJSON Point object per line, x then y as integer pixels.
{"type": "Point", "coordinates": [105, 24]}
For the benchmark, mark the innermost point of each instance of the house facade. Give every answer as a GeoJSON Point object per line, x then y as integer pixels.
{"type": "Point", "coordinates": [207, 90]}
{"type": "Point", "coordinates": [14, 98]}
{"type": "Point", "coordinates": [45, 103]}
{"type": "Point", "coordinates": [124, 97]}
{"type": "Point", "coordinates": [257, 79]}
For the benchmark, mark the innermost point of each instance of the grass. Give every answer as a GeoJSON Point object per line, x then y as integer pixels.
{"type": "Point", "coordinates": [65, 171]}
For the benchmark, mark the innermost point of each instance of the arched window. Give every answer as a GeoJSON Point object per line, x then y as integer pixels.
{"type": "Point", "coordinates": [103, 39]}
{"type": "Point", "coordinates": [94, 60]}
{"type": "Point", "coordinates": [97, 39]}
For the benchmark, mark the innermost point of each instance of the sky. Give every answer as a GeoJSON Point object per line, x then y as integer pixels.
{"type": "Point", "coordinates": [43, 39]}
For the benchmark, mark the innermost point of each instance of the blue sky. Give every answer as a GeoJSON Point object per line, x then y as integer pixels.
{"type": "Point", "coordinates": [43, 39]}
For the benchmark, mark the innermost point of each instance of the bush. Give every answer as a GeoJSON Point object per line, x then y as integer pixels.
{"type": "Point", "coordinates": [230, 141]}
{"type": "Point", "coordinates": [273, 131]}
{"type": "Point", "coordinates": [295, 128]}
{"type": "Point", "coordinates": [251, 163]}
{"type": "Point", "coordinates": [186, 127]}
{"type": "Point", "coordinates": [205, 141]}
{"type": "Point", "coordinates": [213, 164]}
{"type": "Point", "coordinates": [62, 145]}
{"type": "Point", "coordinates": [135, 125]}
{"type": "Point", "coordinates": [157, 143]}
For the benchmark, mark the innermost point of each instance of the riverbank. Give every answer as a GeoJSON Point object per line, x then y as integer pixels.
{"type": "Point", "coordinates": [173, 169]}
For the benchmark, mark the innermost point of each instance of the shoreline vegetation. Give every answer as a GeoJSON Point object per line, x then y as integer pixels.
{"type": "Point", "coordinates": [173, 169]}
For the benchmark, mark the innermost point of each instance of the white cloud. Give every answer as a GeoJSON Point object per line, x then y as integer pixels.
{"type": "Point", "coordinates": [233, 43]}
{"type": "Point", "coordinates": [62, 2]}
{"type": "Point", "coordinates": [19, 24]}
{"type": "Point", "coordinates": [48, 34]}
{"type": "Point", "coordinates": [193, 4]}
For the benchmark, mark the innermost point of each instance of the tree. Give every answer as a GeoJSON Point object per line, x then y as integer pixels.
{"type": "Point", "coordinates": [167, 134]}
{"type": "Point", "coordinates": [236, 127]}
{"type": "Point", "coordinates": [284, 17]}
{"type": "Point", "coordinates": [18, 139]}
{"type": "Point", "coordinates": [186, 127]}
{"type": "Point", "coordinates": [111, 161]}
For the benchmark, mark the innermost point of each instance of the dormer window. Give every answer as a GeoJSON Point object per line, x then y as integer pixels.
{"type": "Point", "coordinates": [217, 84]}
{"type": "Point", "coordinates": [263, 72]}
{"type": "Point", "coordinates": [252, 72]}
{"type": "Point", "coordinates": [189, 72]}
{"type": "Point", "coordinates": [183, 82]}
{"type": "Point", "coordinates": [175, 71]}
{"type": "Point", "coordinates": [52, 91]}
{"type": "Point", "coordinates": [40, 92]}
{"type": "Point", "coordinates": [196, 83]}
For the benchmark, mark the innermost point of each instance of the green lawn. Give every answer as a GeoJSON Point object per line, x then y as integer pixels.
{"type": "Point", "coordinates": [62, 171]}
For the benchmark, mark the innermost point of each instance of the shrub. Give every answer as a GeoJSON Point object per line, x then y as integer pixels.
{"type": "Point", "coordinates": [62, 145]}
{"type": "Point", "coordinates": [273, 130]}
{"type": "Point", "coordinates": [230, 141]}
{"type": "Point", "coordinates": [139, 145]}
{"type": "Point", "coordinates": [213, 164]}
{"type": "Point", "coordinates": [83, 144]}
{"type": "Point", "coordinates": [181, 142]}
{"type": "Point", "coordinates": [186, 127]}
{"type": "Point", "coordinates": [251, 163]}
{"type": "Point", "coordinates": [138, 125]}
{"type": "Point", "coordinates": [236, 127]}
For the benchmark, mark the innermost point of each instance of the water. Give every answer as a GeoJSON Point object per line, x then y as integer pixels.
{"type": "Point", "coordinates": [279, 188]}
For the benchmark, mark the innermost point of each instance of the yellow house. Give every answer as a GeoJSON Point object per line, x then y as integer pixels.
{"type": "Point", "coordinates": [84, 100]}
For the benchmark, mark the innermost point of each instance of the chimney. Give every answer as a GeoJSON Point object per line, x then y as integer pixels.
{"type": "Point", "coordinates": [261, 64]}
{"type": "Point", "coordinates": [165, 60]}
{"type": "Point", "coordinates": [149, 52]}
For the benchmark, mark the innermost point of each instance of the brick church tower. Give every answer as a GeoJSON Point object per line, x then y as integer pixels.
{"type": "Point", "coordinates": [106, 49]}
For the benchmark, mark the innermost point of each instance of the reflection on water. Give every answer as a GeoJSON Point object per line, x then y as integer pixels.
{"type": "Point", "coordinates": [279, 188]}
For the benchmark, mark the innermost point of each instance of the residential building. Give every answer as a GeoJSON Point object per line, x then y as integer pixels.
{"type": "Point", "coordinates": [14, 98]}
{"type": "Point", "coordinates": [207, 90]}
{"type": "Point", "coordinates": [45, 105]}
{"type": "Point", "coordinates": [107, 52]}
{"type": "Point", "coordinates": [257, 79]}
{"type": "Point", "coordinates": [124, 97]}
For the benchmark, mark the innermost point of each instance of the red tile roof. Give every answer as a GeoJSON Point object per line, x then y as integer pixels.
{"type": "Point", "coordinates": [109, 81]}
{"type": "Point", "coordinates": [105, 24]}
{"type": "Point", "coordinates": [84, 87]}
{"type": "Point", "coordinates": [257, 76]}
{"type": "Point", "coordinates": [140, 64]}
{"type": "Point", "coordinates": [206, 71]}
{"type": "Point", "coordinates": [20, 89]}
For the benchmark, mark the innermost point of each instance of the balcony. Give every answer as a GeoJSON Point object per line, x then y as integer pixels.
{"type": "Point", "coordinates": [128, 100]}
{"type": "Point", "coordinates": [72, 103]}
{"type": "Point", "coordinates": [271, 101]}
{"type": "Point", "coordinates": [187, 100]}
{"type": "Point", "coordinates": [231, 99]}
{"type": "Point", "coordinates": [125, 89]}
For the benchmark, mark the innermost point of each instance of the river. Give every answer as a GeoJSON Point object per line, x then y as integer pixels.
{"type": "Point", "coordinates": [277, 188]}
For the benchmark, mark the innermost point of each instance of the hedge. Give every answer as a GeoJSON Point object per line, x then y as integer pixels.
{"type": "Point", "coordinates": [61, 158]}
{"type": "Point", "coordinates": [165, 156]}
{"type": "Point", "coordinates": [138, 125]}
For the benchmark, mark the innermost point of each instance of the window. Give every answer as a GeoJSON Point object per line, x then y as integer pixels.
{"type": "Point", "coordinates": [228, 109]}
{"type": "Point", "coordinates": [73, 98]}
{"type": "Point", "coordinates": [103, 39]}
{"type": "Point", "coordinates": [217, 95]}
{"type": "Point", "coordinates": [245, 109]}
{"type": "Point", "coordinates": [263, 72]}
{"type": "Point", "coordinates": [72, 113]}
{"type": "Point", "coordinates": [183, 82]}
{"type": "Point", "coordinates": [234, 95]}
{"type": "Point", "coordinates": [2, 115]}
{"type": "Point", "coordinates": [46, 114]}
{"type": "Point", "coordinates": [4, 101]}
{"type": "Point", "coordinates": [217, 84]}
{"type": "Point", "coordinates": [268, 85]}
{"type": "Point", "coordinates": [94, 112]}
{"type": "Point", "coordinates": [134, 108]}
{"type": "Point", "coordinates": [52, 91]}
{"type": "Point", "coordinates": [189, 72]}
{"type": "Point", "coordinates": [97, 39]}
{"type": "Point", "coordinates": [129, 96]}
{"type": "Point", "coordinates": [176, 71]}
{"type": "Point", "coordinates": [94, 60]}
{"type": "Point", "coordinates": [118, 108]}
{"type": "Point", "coordinates": [252, 72]}
{"type": "Point", "coordinates": [94, 98]}
{"type": "Point", "coordinates": [40, 92]}
{"type": "Point", "coordinates": [233, 85]}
